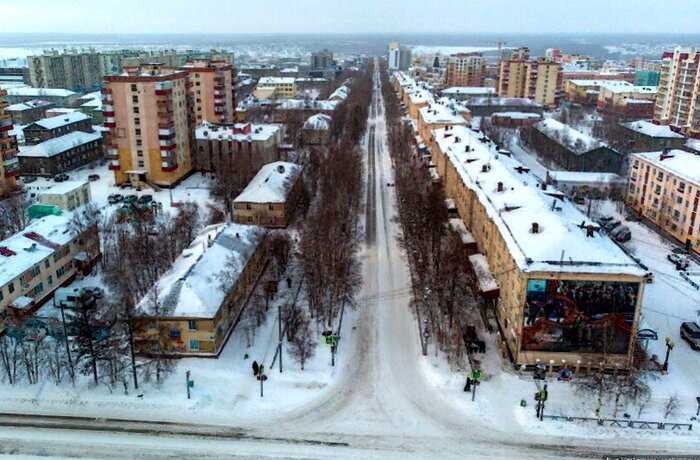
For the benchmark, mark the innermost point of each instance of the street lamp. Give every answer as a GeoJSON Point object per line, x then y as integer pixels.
{"type": "Point", "coordinates": [669, 347]}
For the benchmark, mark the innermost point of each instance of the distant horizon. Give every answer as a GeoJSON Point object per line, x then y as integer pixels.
{"type": "Point", "coordinates": [454, 34]}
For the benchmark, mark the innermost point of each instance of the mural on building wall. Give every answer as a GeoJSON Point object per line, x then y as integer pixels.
{"type": "Point", "coordinates": [579, 316]}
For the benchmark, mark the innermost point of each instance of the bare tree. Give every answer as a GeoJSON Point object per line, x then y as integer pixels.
{"type": "Point", "coordinates": [302, 347]}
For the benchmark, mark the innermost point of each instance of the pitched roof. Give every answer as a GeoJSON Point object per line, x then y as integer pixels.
{"type": "Point", "coordinates": [271, 184]}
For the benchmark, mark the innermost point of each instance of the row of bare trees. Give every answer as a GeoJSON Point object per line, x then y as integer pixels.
{"type": "Point", "coordinates": [329, 239]}
{"type": "Point", "coordinates": [438, 260]}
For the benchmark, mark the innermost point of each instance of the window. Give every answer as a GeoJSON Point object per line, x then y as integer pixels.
{"type": "Point", "coordinates": [194, 345]}
{"type": "Point", "coordinates": [192, 325]}
{"type": "Point", "coordinates": [60, 272]}
{"type": "Point", "coordinates": [138, 131]}
{"type": "Point", "coordinates": [137, 121]}
{"type": "Point", "coordinates": [35, 271]}
{"type": "Point", "coordinates": [141, 164]}
{"type": "Point", "coordinates": [2, 296]}
{"type": "Point", "coordinates": [136, 110]}
{"type": "Point", "coordinates": [50, 280]}
{"type": "Point", "coordinates": [133, 87]}
{"type": "Point", "coordinates": [39, 289]}
{"type": "Point", "coordinates": [46, 263]}
{"type": "Point", "coordinates": [135, 99]}
{"type": "Point", "coordinates": [11, 287]}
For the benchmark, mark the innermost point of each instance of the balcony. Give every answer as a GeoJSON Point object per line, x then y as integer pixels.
{"type": "Point", "coordinates": [114, 165]}
{"type": "Point", "coordinates": [168, 125]}
{"type": "Point", "coordinates": [165, 133]}
{"type": "Point", "coordinates": [164, 88]}
{"type": "Point", "coordinates": [11, 167]}
{"type": "Point", "coordinates": [168, 166]}
{"type": "Point", "coordinates": [168, 146]}
{"type": "Point", "coordinates": [5, 125]}
{"type": "Point", "coordinates": [112, 153]}
{"type": "Point", "coordinates": [110, 124]}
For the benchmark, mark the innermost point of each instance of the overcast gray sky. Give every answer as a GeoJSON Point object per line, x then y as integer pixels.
{"type": "Point", "coordinates": [350, 16]}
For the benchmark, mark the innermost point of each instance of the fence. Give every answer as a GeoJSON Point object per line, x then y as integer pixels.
{"type": "Point", "coordinates": [623, 423]}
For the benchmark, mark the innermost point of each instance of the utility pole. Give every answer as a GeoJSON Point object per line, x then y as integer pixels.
{"type": "Point", "coordinates": [187, 383]}
{"type": "Point", "coordinates": [279, 332]}
{"type": "Point", "coordinates": [65, 336]}
{"type": "Point", "coordinates": [261, 376]}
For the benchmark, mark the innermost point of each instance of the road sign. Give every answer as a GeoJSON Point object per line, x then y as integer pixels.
{"type": "Point", "coordinates": [190, 383]}
{"type": "Point", "coordinates": [332, 340]}
{"type": "Point", "coordinates": [476, 375]}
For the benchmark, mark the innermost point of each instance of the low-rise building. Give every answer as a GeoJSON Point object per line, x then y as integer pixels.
{"type": "Point", "coordinates": [588, 184]}
{"type": "Point", "coordinates": [586, 92]}
{"type": "Point", "coordinates": [316, 129]}
{"type": "Point", "coordinates": [467, 92]}
{"type": "Point", "coordinates": [58, 97]}
{"type": "Point", "coordinates": [241, 148]}
{"type": "Point", "coordinates": [571, 149]}
{"type": "Point", "coordinates": [515, 119]}
{"type": "Point", "coordinates": [194, 306]}
{"type": "Point", "coordinates": [562, 291]}
{"type": "Point", "coordinates": [645, 136]}
{"type": "Point", "coordinates": [271, 197]}
{"type": "Point", "coordinates": [664, 187]}
{"type": "Point", "coordinates": [25, 113]}
{"type": "Point", "coordinates": [627, 102]}
{"type": "Point", "coordinates": [439, 114]}
{"type": "Point", "coordinates": [68, 195]}
{"type": "Point", "coordinates": [56, 126]}
{"type": "Point", "coordinates": [487, 106]}
{"type": "Point", "coordinates": [44, 256]}
{"type": "Point", "coordinates": [61, 154]}
{"type": "Point", "coordinates": [276, 88]}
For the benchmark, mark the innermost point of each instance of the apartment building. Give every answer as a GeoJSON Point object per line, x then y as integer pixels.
{"type": "Point", "coordinates": [28, 112]}
{"type": "Point", "coordinates": [440, 114]}
{"type": "Point", "coordinates": [210, 87]}
{"type": "Point", "coordinates": [201, 316]}
{"type": "Point", "coordinates": [399, 57]}
{"type": "Point", "coordinates": [271, 197]}
{"type": "Point", "coordinates": [241, 148]}
{"type": "Point", "coordinates": [627, 102]}
{"type": "Point", "coordinates": [563, 293]}
{"type": "Point", "coordinates": [61, 154]}
{"type": "Point", "coordinates": [664, 187]}
{"type": "Point", "coordinates": [276, 88]}
{"type": "Point", "coordinates": [539, 80]}
{"type": "Point", "coordinates": [79, 71]}
{"type": "Point", "coordinates": [56, 126]}
{"type": "Point", "coordinates": [44, 256]}
{"type": "Point", "coordinates": [147, 112]}
{"type": "Point", "coordinates": [465, 69]}
{"type": "Point", "coordinates": [68, 195]}
{"type": "Point", "coordinates": [9, 165]}
{"type": "Point", "coordinates": [678, 99]}
{"type": "Point", "coordinates": [322, 60]}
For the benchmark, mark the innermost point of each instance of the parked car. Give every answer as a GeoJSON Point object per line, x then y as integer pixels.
{"type": "Point", "coordinates": [156, 204]}
{"type": "Point", "coordinates": [126, 185]}
{"type": "Point", "coordinates": [28, 179]}
{"type": "Point", "coordinates": [605, 219]}
{"type": "Point", "coordinates": [130, 199]}
{"type": "Point", "coordinates": [145, 199]}
{"type": "Point", "coordinates": [97, 292]}
{"type": "Point", "coordinates": [93, 177]}
{"type": "Point", "coordinates": [690, 332]}
{"type": "Point", "coordinates": [680, 251]}
{"type": "Point", "coordinates": [621, 233]}
{"type": "Point", "coordinates": [579, 199]}
{"type": "Point", "coordinates": [680, 261]}
{"type": "Point", "coordinates": [60, 177]}
{"type": "Point", "coordinates": [610, 226]}
{"type": "Point", "coordinates": [115, 198]}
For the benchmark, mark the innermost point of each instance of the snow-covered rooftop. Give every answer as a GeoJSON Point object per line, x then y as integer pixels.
{"type": "Point", "coordinates": [271, 184]}
{"type": "Point", "coordinates": [517, 115]}
{"type": "Point", "coordinates": [28, 91]}
{"type": "Point", "coordinates": [441, 113]}
{"type": "Point", "coordinates": [303, 104]}
{"type": "Point", "coordinates": [607, 83]}
{"type": "Point", "coordinates": [565, 135]}
{"type": "Point", "coordinates": [469, 90]}
{"type": "Point", "coordinates": [58, 145]}
{"type": "Point", "coordinates": [561, 244]}
{"type": "Point", "coordinates": [21, 253]}
{"type": "Point", "coordinates": [584, 177]}
{"type": "Point", "coordinates": [652, 130]}
{"type": "Point", "coordinates": [195, 285]}
{"type": "Point", "coordinates": [320, 121]}
{"type": "Point", "coordinates": [28, 105]}
{"type": "Point", "coordinates": [273, 81]}
{"type": "Point", "coordinates": [630, 89]}
{"type": "Point", "coordinates": [341, 93]}
{"type": "Point", "coordinates": [678, 162]}
{"type": "Point", "coordinates": [61, 188]}
{"type": "Point", "coordinates": [66, 118]}
{"type": "Point", "coordinates": [503, 101]}
{"type": "Point", "coordinates": [238, 132]}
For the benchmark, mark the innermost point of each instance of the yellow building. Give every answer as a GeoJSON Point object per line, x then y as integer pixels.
{"type": "Point", "coordinates": [194, 307]}
{"type": "Point", "coordinates": [439, 114]}
{"type": "Point", "coordinates": [664, 187]}
{"type": "Point", "coordinates": [269, 200]}
{"type": "Point", "coordinates": [539, 80]}
{"type": "Point", "coordinates": [563, 292]}
{"type": "Point", "coordinates": [41, 258]}
{"type": "Point", "coordinates": [147, 114]}
{"type": "Point", "coordinates": [9, 164]}
{"type": "Point", "coordinates": [67, 195]}
{"type": "Point", "coordinates": [276, 88]}
{"type": "Point", "coordinates": [678, 100]}
{"type": "Point", "coordinates": [587, 91]}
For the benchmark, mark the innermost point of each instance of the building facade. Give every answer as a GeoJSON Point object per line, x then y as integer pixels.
{"type": "Point", "coordinates": [645, 136]}
{"type": "Point", "coordinates": [627, 102]}
{"type": "Point", "coordinates": [210, 87]}
{"type": "Point", "coordinates": [539, 80]}
{"type": "Point", "coordinates": [678, 99]}
{"type": "Point", "coordinates": [56, 126]}
{"type": "Point", "coordinates": [9, 164]}
{"type": "Point", "coordinates": [465, 69]}
{"type": "Point", "coordinates": [28, 112]}
{"type": "Point", "coordinates": [41, 258]}
{"type": "Point", "coordinates": [68, 195]}
{"type": "Point", "coordinates": [664, 187]}
{"type": "Point", "coordinates": [61, 154]}
{"type": "Point", "coordinates": [81, 71]}
{"type": "Point", "coordinates": [148, 116]}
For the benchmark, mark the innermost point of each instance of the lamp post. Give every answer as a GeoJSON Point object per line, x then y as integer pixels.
{"type": "Point", "coordinates": [669, 347]}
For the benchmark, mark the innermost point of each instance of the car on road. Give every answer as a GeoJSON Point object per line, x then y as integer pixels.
{"type": "Point", "coordinates": [680, 261]}
{"type": "Point", "coordinates": [579, 199]}
{"type": "Point", "coordinates": [115, 198]}
{"type": "Point", "coordinates": [97, 292]}
{"type": "Point", "coordinates": [690, 332]}
{"type": "Point", "coordinates": [130, 199]}
{"type": "Point", "coordinates": [60, 177]}
{"type": "Point", "coordinates": [28, 179]}
{"type": "Point", "coordinates": [611, 225]}
{"type": "Point", "coordinates": [621, 233]}
{"type": "Point", "coordinates": [93, 177]}
{"type": "Point", "coordinates": [605, 219]}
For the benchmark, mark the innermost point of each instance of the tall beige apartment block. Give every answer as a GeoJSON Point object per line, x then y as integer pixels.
{"type": "Point", "coordinates": [211, 91]}
{"type": "Point", "coordinates": [147, 112]}
{"type": "Point", "coordinates": [9, 164]}
{"type": "Point", "coordinates": [678, 99]}
{"type": "Point", "coordinates": [539, 80]}
{"type": "Point", "coordinates": [465, 69]}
